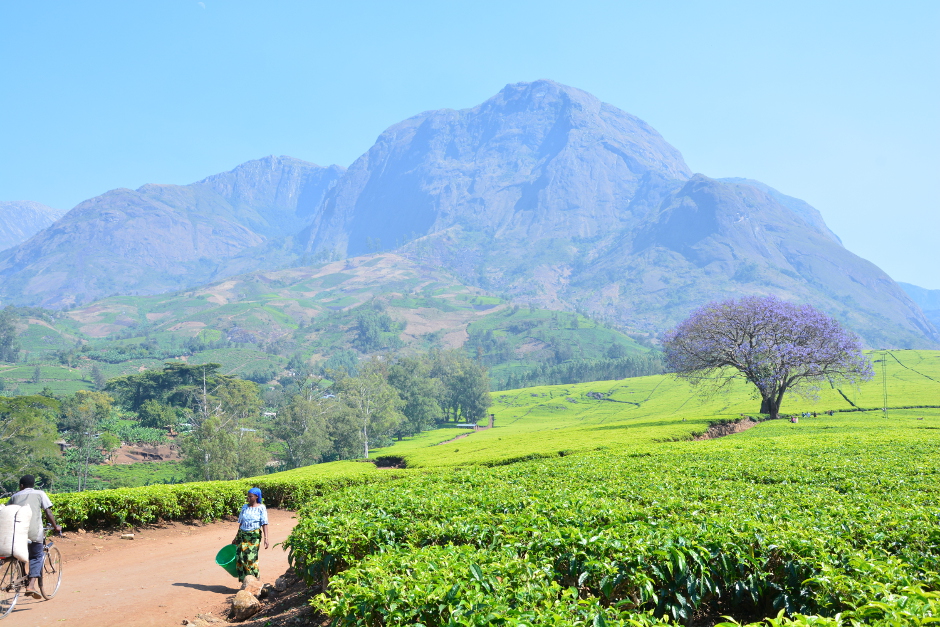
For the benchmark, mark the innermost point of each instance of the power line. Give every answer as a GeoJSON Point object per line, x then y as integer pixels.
{"type": "Point", "coordinates": [884, 382]}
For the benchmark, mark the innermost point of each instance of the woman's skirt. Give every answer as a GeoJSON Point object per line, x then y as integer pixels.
{"type": "Point", "coordinates": [246, 556]}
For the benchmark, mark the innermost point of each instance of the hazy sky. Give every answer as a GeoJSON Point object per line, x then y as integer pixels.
{"type": "Point", "coordinates": [833, 102]}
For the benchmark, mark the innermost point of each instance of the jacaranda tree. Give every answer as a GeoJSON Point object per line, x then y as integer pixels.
{"type": "Point", "coordinates": [776, 345]}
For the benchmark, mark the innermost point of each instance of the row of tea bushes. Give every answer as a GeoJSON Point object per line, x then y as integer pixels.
{"type": "Point", "coordinates": [209, 500]}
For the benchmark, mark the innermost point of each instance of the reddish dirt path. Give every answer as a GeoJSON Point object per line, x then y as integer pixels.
{"type": "Point", "coordinates": [157, 579]}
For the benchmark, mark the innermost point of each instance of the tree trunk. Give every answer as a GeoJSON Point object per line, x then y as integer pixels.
{"type": "Point", "coordinates": [770, 406]}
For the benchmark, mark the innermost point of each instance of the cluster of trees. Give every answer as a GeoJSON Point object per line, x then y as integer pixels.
{"type": "Point", "coordinates": [584, 370]}
{"type": "Point", "coordinates": [375, 330]}
{"type": "Point", "coordinates": [225, 434]}
{"type": "Point", "coordinates": [229, 427]}
{"type": "Point", "coordinates": [31, 425]}
{"type": "Point", "coordinates": [343, 415]}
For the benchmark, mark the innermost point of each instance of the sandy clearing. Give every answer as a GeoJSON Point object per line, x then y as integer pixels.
{"type": "Point", "coordinates": [192, 324]}
{"type": "Point", "coordinates": [164, 575]}
{"type": "Point", "coordinates": [101, 330]}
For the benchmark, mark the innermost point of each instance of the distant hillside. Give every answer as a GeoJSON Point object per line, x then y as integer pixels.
{"type": "Point", "coordinates": [263, 325]}
{"type": "Point", "coordinates": [21, 219]}
{"type": "Point", "coordinates": [928, 300]}
{"type": "Point", "coordinates": [163, 237]}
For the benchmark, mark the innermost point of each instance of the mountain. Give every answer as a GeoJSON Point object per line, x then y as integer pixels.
{"type": "Point", "coordinates": [21, 219]}
{"type": "Point", "coordinates": [542, 195]}
{"type": "Point", "coordinates": [545, 195]}
{"type": "Point", "coordinates": [538, 161]}
{"type": "Point", "coordinates": [928, 300]}
{"type": "Point", "coordinates": [160, 238]}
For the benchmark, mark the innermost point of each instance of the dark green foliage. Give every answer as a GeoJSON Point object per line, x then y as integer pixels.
{"type": "Point", "coordinates": [375, 329]}
{"type": "Point", "coordinates": [262, 375]}
{"type": "Point", "coordinates": [466, 386]}
{"type": "Point", "coordinates": [27, 436]}
{"type": "Point", "coordinates": [98, 378]}
{"type": "Point", "coordinates": [82, 415]}
{"type": "Point", "coordinates": [155, 415]}
{"type": "Point", "coordinates": [302, 426]}
{"type": "Point", "coordinates": [640, 365]}
{"type": "Point", "coordinates": [118, 353]}
{"type": "Point", "coordinates": [178, 384]}
{"type": "Point", "coordinates": [344, 360]}
{"type": "Point", "coordinates": [9, 344]}
{"type": "Point", "coordinates": [421, 393]}
{"type": "Point", "coordinates": [139, 474]}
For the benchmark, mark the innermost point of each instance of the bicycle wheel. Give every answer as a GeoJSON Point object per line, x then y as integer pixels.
{"type": "Point", "coordinates": [12, 578]}
{"type": "Point", "coordinates": [51, 576]}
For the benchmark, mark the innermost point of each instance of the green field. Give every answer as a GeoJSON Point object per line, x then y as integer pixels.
{"type": "Point", "coordinates": [590, 504]}
{"type": "Point", "coordinates": [549, 420]}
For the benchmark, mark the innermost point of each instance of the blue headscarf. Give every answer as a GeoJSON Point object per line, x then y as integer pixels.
{"type": "Point", "coordinates": [256, 492]}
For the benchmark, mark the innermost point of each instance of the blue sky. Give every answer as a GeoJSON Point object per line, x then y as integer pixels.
{"type": "Point", "coordinates": [833, 102]}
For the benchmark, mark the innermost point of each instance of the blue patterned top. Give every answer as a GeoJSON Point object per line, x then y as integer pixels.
{"type": "Point", "coordinates": [252, 518]}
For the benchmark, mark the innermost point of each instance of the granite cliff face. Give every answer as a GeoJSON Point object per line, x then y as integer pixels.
{"type": "Point", "coordinates": [21, 219]}
{"type": "Point", "coordinates": [927, 300]}
{"type": "Point", "coordinates": [538, 160]}
{"type": "Point", "coordinates": [549, 196]}
{"type": "Point", "coordinates": [163, 237]}
{"type": "Point", "coordinates": [542, 194]}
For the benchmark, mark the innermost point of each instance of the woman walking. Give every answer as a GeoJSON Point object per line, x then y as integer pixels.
{"type": "Point", "coordinates": [252, 527]}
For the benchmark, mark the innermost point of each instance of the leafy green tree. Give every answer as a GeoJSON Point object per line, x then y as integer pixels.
{"type": "Point", "coordinates": [421, 393]}
{"type": "Point", "coordinates": [9, 342]}
{"type": "Point", "coordinates": [178, 384]}
{"type": "Point", "coordinates": [98, 378]}
{"type": "Point", "coordinates": [81, 415]}
{"type": "Point", "coordinates": [345, 434]}
{"type": "Point", "coordinates": [345, 360]}
{"type": "Point", "coordinates": [375, 405]}
{"type": "Point", "coordinates": [37, 375]}
{"type": "Point", "coordinates": [375, 329]}
{"type": "Point", "coordinates": [466, 386]}
{"type": "Point", "coordinates": [302, 425]}
{"type": "Point", "coordinates": [109, 443]}
{"type": "Point", "coordinates": [225, 442]}
{"type": "Point", "coordinates": [156, 415]}
{"type": "Point", "coordinates": [27, 436]}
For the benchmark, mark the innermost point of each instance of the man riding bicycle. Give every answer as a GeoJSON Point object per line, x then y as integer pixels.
{"type": "Point", "coordinates": [38, 502]}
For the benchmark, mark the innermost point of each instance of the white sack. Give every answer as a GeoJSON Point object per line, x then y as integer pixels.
{"type": "Point", "coordinates": [14, 531]}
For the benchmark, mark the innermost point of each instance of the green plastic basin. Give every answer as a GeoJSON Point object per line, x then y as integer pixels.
{"type": "Point", "coordinates": [226, 559]}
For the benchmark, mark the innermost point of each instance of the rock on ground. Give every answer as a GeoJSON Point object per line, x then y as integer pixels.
{"type": "Point", "coordinates": [244, 606]}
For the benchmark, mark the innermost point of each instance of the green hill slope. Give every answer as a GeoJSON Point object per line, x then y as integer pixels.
{"type": "Point", "coordinates": [561, 419]}
{"type": "Point", "coordinates": [255, 325]}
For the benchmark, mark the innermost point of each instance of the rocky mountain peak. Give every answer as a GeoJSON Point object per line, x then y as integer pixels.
{"type": "Point", "coordinates": [21, 219]}
{"type": "Point", "coordinates": [537, 160]}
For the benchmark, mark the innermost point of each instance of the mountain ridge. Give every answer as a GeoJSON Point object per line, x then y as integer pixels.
{"type": "Point", "coordinates": [21, 219]}
{"type": "Point", "coordinates": [542, 194]}
{"type": "Point", "coordinates": [162, 237]}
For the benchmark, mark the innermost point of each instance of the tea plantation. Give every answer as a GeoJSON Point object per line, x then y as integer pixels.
{"type": "Point", "coordinates": [590, 504]}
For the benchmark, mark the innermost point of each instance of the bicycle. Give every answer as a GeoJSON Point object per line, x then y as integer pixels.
{"type": "Point", "coordinates": [14, 578]}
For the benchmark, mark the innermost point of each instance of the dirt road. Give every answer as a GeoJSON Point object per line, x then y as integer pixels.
{"type": "Point", "coordinates": [157, 579]}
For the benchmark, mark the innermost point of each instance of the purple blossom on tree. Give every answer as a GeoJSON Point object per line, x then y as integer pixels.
{"type": "Point", "coordinates": [775, 345]}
